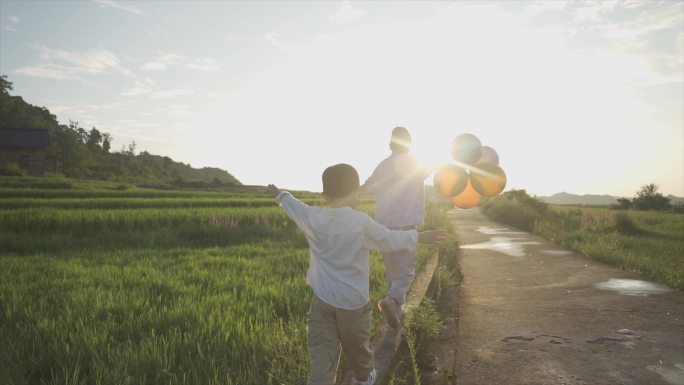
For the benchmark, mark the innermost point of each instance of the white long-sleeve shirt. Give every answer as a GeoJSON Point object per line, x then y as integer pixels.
{"type": "Point", "coordinates": [397, 183]}
{"type": "Point", "coordinates": [339, 243]}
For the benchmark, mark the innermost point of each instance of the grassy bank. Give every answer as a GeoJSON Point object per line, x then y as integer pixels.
{"type": "Point", "coordinates": [649, 243]}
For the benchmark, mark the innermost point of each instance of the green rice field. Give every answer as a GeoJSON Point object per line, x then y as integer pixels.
{"type": "Point", "coordinates": [104, 284]}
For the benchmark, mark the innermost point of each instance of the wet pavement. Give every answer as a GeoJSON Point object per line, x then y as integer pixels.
{"type": "Point", "coordinates": [531, 312]}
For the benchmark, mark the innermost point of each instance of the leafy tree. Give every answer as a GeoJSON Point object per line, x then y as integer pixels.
{"type": "Point", "coordinates": [130, 151]}
{"type": "Point", "coordinates": [5, 85]}
{"type": "Point", "coordinates": [74, 154]}
{"type": "Point", "coordinates": [16, 113]}
{"type": "Point", "coordinates": [106, 142]}
{"type": "Point", "coordinates": [94, 140]}
{"type": "Point", "coordinates": [622, 204]}
{"type": "Point", "coordinates": [648, 198]}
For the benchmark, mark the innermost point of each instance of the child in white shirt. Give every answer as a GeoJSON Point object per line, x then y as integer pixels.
{"type": "Point", "coordinates": [340, 239]}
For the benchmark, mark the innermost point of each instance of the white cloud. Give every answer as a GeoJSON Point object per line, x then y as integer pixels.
{"type": "Point", "coordinates": [145, 86]}
{"type": "Point", "coordinates": [116, 5]}
{"type": "Point", "coordinates": [137, 123]}
{"type": "Point", "coordinates": [158, 32]}
{"type": "Point", "coordinates": [647, 21]}
{"type": "Point", "coordinates": [171, 93]}
{"type": "Point", "coordinates": [274, 39]}
{"type": "Point", "coordinates": [164, 61]}
{"type": "Point", "coordinates": [655, 36]}
{"type": "Point", "coordinates": [9, 27]}
{"type": "Point", "coordinates": [70, 65]}
{"type": "Point", "coordinates": [175, 112]}
{"type": "Point", "coordinates": [236, 38]}
{"type": "Point", "coordinates": [81, 112]}
{"type": "Point", "coordinates": [631, 4]}
{"type": "Point", "coordinates": [140, 88]}
{"type": "Point", "coordinates": [204, 65]}
{"type": "Point", "coordinates": [347, 13]}
{"type": "Point", "coordinates": [61, 64]}
{"type": "Point", "coordinates": [596, 11]}
{"type": "Point", "coordinates": [92, 62]}
{"type": "Point", "coordinates": [536, 8]}
{"type": "Point", "coordinates": [647, 35]}
{"type": "Point", "coordinates": [44, 71]}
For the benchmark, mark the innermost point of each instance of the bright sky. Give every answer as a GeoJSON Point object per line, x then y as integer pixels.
{"type": "Point", "coordinates": [581, 97]}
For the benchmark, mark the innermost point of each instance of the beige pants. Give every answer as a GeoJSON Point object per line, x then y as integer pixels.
{"type": "Point", "coordinates": [400, 268]}
{"type": "Point", "coordinates": [331, 328]}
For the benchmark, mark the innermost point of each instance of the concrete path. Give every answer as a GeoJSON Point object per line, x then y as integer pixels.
{"type": "Point", "coordinates": [532, 313]}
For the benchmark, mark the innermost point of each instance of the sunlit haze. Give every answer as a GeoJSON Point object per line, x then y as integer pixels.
{"type": "Point", "coordinates": [578, 97]}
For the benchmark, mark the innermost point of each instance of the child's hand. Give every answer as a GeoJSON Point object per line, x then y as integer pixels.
{"type": "Point", "coordinates": [433, 237]}
{"type": "Point", "coordinates": [273, 190]}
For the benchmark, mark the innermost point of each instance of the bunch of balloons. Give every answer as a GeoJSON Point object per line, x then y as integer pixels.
{"type": "Point", "coordinates": [475, 174]}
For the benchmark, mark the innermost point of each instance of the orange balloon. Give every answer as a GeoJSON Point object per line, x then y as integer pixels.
{"type": "Point", "coordinates": [487, 179]}
{"type": "Point", "coordinates": [468, 198]}
{"type": "Point", "coordinates": [450, 180]}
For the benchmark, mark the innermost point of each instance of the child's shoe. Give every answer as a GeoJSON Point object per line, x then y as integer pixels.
{"type": "Point", "coordinates": [390, 309]}
{"type": "Point", "coordinates": [369, 381]}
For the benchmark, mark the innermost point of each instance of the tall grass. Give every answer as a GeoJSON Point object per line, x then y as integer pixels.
{"type": "Point", "coordinates": [137, 202]}
{"type": "Point", "coordinates": [647, 242]}
{"type": "Point", "coordinates": [152, 316]}
{"type": "Point", "coordinates": [55, 230]}
{"type": "Point", "coordinates": [50, 230]}
{"type": "Point", "coordinates": [26, 192]}
{"type": "Point", "coordinates": [120, 288]}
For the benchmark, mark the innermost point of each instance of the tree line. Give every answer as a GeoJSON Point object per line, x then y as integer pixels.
{"type": "Point", "coordinates": [84, 153]}
{"type": "Point", "coordinates": [647, 198]}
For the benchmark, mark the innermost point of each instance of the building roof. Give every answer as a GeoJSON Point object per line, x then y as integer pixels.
{"type": "Point", "coordinates": [24, 138]}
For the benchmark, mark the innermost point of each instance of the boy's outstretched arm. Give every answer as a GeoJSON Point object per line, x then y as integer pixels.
{"type": "Point", "coordinates": [434, 237]}
{"type": "Point", "coordinates": [295, 209]}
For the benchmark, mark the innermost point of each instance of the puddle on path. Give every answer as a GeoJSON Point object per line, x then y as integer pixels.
{"type": "Point", "coordinates": [633, 287]}
{"type": "Point", "coordinates": [497, 230]}
{"type": "Point", "coordinates": [503, 245]}
{"type": "Point", "coordinates": [556, 252]}
{"type": "Point", "coordinates": [674, 376]}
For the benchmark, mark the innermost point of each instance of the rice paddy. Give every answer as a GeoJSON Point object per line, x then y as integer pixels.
{"type": "Point", "coordinates": [135, 286]}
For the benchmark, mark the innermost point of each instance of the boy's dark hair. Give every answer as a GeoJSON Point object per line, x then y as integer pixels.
{"type": "Point", "coordinates": [401, 140]}
{"type": "Point", "coordinates": [340, 180]}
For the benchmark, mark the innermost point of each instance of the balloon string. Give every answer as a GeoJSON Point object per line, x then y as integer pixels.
{"type": "Point", "coordinates": [470, 169]}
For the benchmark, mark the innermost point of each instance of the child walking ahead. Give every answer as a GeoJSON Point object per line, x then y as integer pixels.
{"type": "Point", "coordinates": [397, 183]}
{"type": "Point", "coordinates": [340, 239]}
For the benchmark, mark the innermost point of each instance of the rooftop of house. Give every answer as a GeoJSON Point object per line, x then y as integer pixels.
{"type": "Point", "coordinates": [24, 138]}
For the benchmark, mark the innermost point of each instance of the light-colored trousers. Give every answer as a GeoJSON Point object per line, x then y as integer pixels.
{"type": "Point", "coordinates": [400, 268]}
{"type": "Point", "coordinates": [332, 328]}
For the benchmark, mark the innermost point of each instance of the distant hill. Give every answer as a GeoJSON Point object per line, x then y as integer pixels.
{"type": "Point", "coordinates": [180, 173]}
{"type": "Point", "coordinates": [86, 154]}
{"type": "Point", "coordinates": [564, 198]}
{"type": "Point", "coordinates": [676, 200]}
